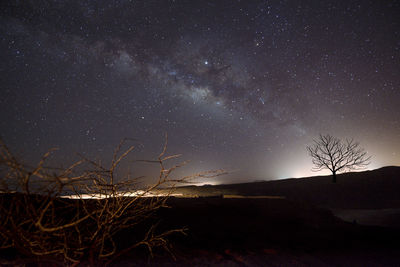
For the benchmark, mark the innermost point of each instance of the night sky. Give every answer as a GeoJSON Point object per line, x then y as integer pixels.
{"type": "Point", "coordinates": [239, 85]}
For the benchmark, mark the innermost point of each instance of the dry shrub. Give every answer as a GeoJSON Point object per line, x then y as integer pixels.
{"type": "Point", "coordinates": [40, 223]}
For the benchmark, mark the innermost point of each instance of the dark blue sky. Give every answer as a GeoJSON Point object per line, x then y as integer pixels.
{"type": "Point", "coordinates": [239, 85]}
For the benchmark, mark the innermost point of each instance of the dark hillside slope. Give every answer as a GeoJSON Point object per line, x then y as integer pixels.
{"type": "Point", "coordinates": [376, 189]}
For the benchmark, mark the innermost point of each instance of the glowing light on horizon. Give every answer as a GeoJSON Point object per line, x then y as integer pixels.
{"type": "Point", "coordinates": [138, 193]}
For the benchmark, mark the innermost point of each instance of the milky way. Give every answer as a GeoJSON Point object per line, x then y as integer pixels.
{"type": "Point", "coordinates": [239, 85]}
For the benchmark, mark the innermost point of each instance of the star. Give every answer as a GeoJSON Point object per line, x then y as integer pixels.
{"type": "Point", "coordinates": [221, 84]}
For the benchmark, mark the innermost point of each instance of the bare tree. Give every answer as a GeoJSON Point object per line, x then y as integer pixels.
{"type": "Point", "coordinates": [45, 214]}
{"type": "Point", "coordinates": [331, 153]}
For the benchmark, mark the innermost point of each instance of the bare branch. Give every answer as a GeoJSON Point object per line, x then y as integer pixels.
{"type": "Point", "coordinates": [331, 153]}
{"type": "Point", "coordinates": [46, 213]}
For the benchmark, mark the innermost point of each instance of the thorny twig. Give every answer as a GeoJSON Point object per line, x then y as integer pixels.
{"type": "Point", "coordinates": [48, 225]}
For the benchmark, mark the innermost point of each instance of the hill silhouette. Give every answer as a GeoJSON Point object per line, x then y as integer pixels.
{"type": "Point", "coordinates": [375, 189]}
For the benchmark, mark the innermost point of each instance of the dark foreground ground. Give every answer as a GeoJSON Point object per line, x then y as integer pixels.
{"type": "Point", "coordinates": [310, 222]}
{"type": "Point", "coordinates": [256, 232]}
{"type": "Point", "coordinates": [269, 232]}
{"type": "Point", "coordinates": [355, 222]}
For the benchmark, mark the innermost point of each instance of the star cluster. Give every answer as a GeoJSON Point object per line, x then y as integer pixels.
{"type": "Point", "coordinates": [239, 85]}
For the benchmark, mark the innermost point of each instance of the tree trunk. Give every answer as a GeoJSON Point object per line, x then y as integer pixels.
{"type": "Point", "coordinates": [334, 177]}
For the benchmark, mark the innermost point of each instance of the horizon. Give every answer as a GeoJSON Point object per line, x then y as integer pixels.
{"type": "Point", "coordinates": [316, 175]}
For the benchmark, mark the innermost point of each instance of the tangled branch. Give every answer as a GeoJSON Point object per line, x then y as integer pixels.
{"type": "Point", "coordinates": [45, 214]}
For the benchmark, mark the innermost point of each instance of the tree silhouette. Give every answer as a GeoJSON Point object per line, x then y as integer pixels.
{"type": "Point", "coordinates": [331, 153]}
